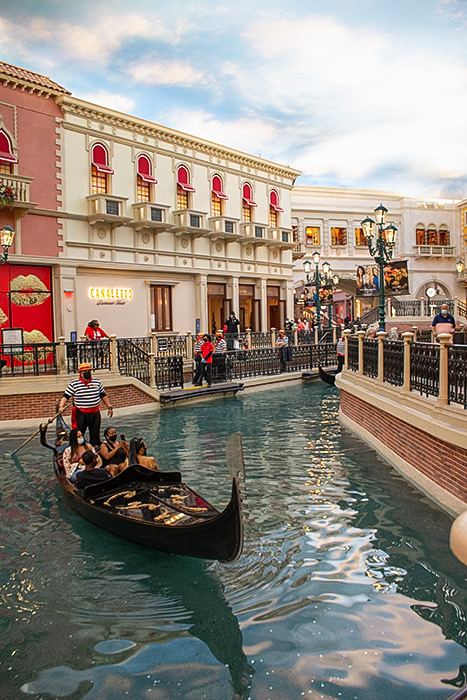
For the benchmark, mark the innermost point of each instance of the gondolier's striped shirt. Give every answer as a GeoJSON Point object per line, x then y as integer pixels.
{"type": "Point", "coordinates": [86, 395]}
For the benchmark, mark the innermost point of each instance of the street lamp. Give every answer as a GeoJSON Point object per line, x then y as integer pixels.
{"type": "Point", "coordinates": [6, 239]}
{"type": "Point", "coordinates": [459, 266]}
{"type": "Point", "coordinates": [382, 251]}
{"type": "Point", "coordinates": [318, 279]}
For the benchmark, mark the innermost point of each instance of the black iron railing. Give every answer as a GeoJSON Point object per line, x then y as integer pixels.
{"type": "Point", "coordinates": [323, 355]}
{"type": "Point", "coordinates": [353, 354]}
{"type": "Point", "coordinates": [424, 368]}
{"type": "Point", "coordinates": [370, 357]}
{"type": "Point", "coordinates": [133, 361]}
{"type": "Point", "coordinates": [97, 353]}
{"type": "Point", "coordinates": [252, 363]}
{"type": "Point", "coordinates": [393, 361]}
{"type": "Point", "coordinates": [171, 345]}
{"type": "Point", "coordinates": [168, 371]}
{"type": "Point", "coordinates": [457, 374]}
{"type": "Point", "coordinates": [260, 339]}
{"type": "Point", "coordinates": [29, 359]}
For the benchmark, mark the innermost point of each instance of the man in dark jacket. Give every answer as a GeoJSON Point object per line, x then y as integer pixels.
{"type": "Point", "coordinates": [231, 330]}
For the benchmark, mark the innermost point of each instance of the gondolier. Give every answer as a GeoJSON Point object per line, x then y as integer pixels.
{"type": "Point", "coordinates": [87, 393]}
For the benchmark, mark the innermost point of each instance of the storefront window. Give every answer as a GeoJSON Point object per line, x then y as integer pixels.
{"type": "Point", "coordinates": [360, 239]}
{"type": "Point", "coordinates": [161, 308]}
{"type": "Point", "coordinates": [338, 236]}
{"type": "Point", "coordinates": [312, 235]}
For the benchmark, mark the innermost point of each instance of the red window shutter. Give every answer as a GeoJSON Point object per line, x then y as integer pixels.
{"type": "Point", "coordinates": [6, 154]}
{"type": "Point", "coordinates": [100, 159]}
{"type": "Point", "coordinates": [145, 170]}
{"type": "Point", "coordinates": [183, 179]}
{"type": "Point", "coordinates": [274, 201]}
{"type": "Point", "coordinates": [247, 196]}
{"type": "Point", "coordinates": [217, 187]}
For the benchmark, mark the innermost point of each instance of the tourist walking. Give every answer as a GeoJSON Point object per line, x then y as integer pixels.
{"type": "Point", "coordinates": [207, 351]}
{"type": "Point", "coordinates": [443, 323]}
{"type": "Point", "coordinates": [87, 393]}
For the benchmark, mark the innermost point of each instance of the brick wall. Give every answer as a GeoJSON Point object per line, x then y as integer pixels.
{"type": "Point", "coordinates": [441, 462]}
{"type": "Point", "coordinates": [20, 406]}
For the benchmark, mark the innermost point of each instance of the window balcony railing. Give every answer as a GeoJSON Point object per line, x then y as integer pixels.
{"type": "Point", "coordinates": [107, 208]}
{"type": "Point", "coordinates": [438, 251]}
{"type": "Point", "coordinates": [298, 250]}
{"type": "Point", "coordinates": [190, 221]}
{"type": "Point", "coordinates": [151, 215]}
{"type": "Point", "coordinates": [254, 233]}
{"type": "Point", "coordinates": [20, 186]}
{"type": "Point", "coordinates": [281, 237]}
{"type": "Point", "coordinates": [223, 227]}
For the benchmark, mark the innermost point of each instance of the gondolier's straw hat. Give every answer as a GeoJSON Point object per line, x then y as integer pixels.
{"type": "Point", "coordinates": [85, 367]}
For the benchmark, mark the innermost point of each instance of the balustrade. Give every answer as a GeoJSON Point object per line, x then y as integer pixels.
{"type": "Point", "coordinates": [370, 357]}
{"type": "Point", "coordinates": [393, 353]}
{"type": "Point", "coordinates": [457, 374]}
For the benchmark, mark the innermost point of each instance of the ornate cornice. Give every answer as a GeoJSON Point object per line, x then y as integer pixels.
{"type": "Point", "coordinates": [177, 138]}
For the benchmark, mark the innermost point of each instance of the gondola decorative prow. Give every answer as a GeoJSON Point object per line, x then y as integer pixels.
{"type": "Point", "coordinates": [236, 467]}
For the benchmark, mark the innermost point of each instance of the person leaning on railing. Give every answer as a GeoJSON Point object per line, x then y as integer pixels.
{"type": "Point", "coordinates": [443, 323]}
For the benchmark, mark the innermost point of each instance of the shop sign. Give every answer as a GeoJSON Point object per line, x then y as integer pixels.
{"type": "Point", "coordinates": [110, 295]}
{"type": "Point", "coordinates": [217, 290]}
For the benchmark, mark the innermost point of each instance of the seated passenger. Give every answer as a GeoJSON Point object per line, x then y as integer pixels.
{"type": "Point", "coordinates": [113, 452]}
{"type": "Point", "coordinates": [72, 455]}
{"type": "Point", "coordinates": [91, 474]}
{"type": "Point", "coordinates": [138, 454]}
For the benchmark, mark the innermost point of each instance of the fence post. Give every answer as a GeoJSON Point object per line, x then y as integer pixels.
{"type": "Point", "coordinates": [273, 337]}
{"type": "Point", "coordinates": [61, 355]}
{"type": "Point", "coordinates": [360, 336]}
{"type": "Point", "coordinates": [444, 340]}
{"type": "Point", "coordinates": [408, 338]}
{"type": "Point", "coordinates": [346, 335]}
{"type": "Point", "coordinates": [113, 354]}
{"type": "Point", "coordinates": [189, 345]}
{"type": "Point", "coordinates": [295, 336]}
{"type": "Point", "coordinates": [152, 371]}
{"type": "Point", "coordinates": [153, 343]}
{"type": "Point", "coordinates": [248, 337]}
{"type": "Point", "coordinates": [316, 335]}
{"type": "Point", "coordinates": [334, 334]}
{"type": "Point", "coordinates": [415, 333]}
{"type": "Point", "coordinates": [381, 335]}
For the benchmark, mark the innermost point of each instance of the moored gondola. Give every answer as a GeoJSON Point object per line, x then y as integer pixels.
{"type": "Point", "coordinates": [157, 508]}
{"type": "Point", "coordinates": [327, 377]}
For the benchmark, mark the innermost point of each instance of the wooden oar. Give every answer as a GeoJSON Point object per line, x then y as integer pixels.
{"type": "Point", "coordinates": [50, 420]}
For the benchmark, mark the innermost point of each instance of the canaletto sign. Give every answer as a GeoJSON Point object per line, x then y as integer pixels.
{"type": "Point", "coordinates": [110, 295]}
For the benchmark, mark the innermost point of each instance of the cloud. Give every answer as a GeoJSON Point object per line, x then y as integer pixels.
{"type": "Point", "coordinates": [121, 103]}
{"type": "Point", "coordinates": [167, 73]}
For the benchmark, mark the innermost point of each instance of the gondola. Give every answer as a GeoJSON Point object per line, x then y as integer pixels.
{"type": "Point", "coordinates": [157, 508]}
{"type": "Point", "coordinates": [327, 377]}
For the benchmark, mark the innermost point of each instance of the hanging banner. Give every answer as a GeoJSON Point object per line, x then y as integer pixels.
{"type": "Point", "coordinates": [396, 280]}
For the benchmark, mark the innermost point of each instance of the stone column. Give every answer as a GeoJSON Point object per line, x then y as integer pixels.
{"type": "Point", "coordinates": [360, 335]}
{"type": "Point", "coordinates": [381, 335]}
{"type": "Point", "coordinates": [113, 354]}
{"type": "Point", "coordinates": [273, 337]}
{"type": "Point", "coordinates": [316, 335]}
{"type": "Point", "coordinates": [61, 355]}
{"type": "Point", "coordinates": [248, 337]}
{"type": "Point", "coordinates": [152, 371]}
{"type": "Point", "coordinates": [153, 343]}
{"type": "Point", "coordinates": [408, 339]}
{"type": "Point", "coordinates": [346, 335]}
{"type": "Point", "coordinates": [189, 345]}
{"type": "Point", "coordinates": [415, 333]}
{"type": "Point", "coordinates": [201, 302]}
{"type": "Point", "coordinates": [264, 306]}
{"type": "Point", "coordinates": [444, 340]}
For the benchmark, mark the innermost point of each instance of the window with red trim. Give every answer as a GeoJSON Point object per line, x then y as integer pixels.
{"type": "Point", "coordinates": [183, 188]}
{"type": "Point", "coordinates": [274, 209]}
{"type": "Point", "coordinates": [247, 203]}
{"type": "Point", "coordinates": [144, 179]}
{"type": "Point", "coordinates": [100, 169]}
{"type": "Point", "coordinates": [217, 196]}
{"type": "Point", "coordinates": [6, 153]}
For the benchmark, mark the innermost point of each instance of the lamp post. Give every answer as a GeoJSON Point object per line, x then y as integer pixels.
{"type": "Point", "coordinates": [318, 279]}
{"type": "Point", "coordinates": [459, 266]}
{"type": "Point", "coordinates": [381, 251]}
{"type": "Point", "coordinates": [6, 239]}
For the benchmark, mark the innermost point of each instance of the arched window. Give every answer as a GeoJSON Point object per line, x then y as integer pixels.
{"type": "Point", "coordinates": [247, 202]}
{"type": "Point", "coordinates": [6, 153]}
{"type": "Point", "coordinates": [217, 196]}
{"type": "Point", "coordinates": [420, 234]}
{"type": "Point", "coordinates": [443, 235]}
{"type": "Point", "coordinates": [274, 209]}
{"type": "Point", "coordinates": [100, 170]}
{"type": "Point", "coordinates": [431, 235]}
{"type": "Point", "coordinates": [183, 188]}
{"type": "Point", "coordinates": [144, 179]}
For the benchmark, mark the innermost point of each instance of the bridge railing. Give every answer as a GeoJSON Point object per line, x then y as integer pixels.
{"type": "Point", "coordinates": [437, 370]}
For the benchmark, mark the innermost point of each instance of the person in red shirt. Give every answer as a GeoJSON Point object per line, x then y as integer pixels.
{"type": "Point", "coordinates": [207, 350]}
{"type": "Point", "coordinates": [94, 332]}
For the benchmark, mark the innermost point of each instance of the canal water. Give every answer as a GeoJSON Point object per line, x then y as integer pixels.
{"type": "Point", "coordinates": [346, 587]}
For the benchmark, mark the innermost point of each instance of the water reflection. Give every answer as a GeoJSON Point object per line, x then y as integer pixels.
{"type": "Point", "coordinates": [346, 589]}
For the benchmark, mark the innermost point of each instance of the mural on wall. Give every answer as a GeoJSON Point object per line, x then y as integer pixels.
{"type": "Point", "coordinates": [26, 303]}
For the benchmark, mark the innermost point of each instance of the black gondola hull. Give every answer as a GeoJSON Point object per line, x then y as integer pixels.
{"type": "Point", "coordinates": [327, 377]}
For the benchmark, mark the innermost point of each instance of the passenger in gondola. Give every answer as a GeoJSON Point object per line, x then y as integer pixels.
{"type": "Point", "coordinates": [91, 473]}
{"type": "Point", "coordinates": [112, 452]}
{"type": "Point", "coordinates": [138, 454]}
{"type": "Point", "coordinates": [72, 455]}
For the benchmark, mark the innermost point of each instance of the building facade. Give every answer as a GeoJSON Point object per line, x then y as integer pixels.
{"type": "Point", "coordinates": [143, 227]}
{"type": "Point", "coordinates": [428, 238]}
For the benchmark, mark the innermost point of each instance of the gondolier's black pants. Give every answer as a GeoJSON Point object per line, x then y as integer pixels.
{"type": "Point", "coordinates": [91, 421]}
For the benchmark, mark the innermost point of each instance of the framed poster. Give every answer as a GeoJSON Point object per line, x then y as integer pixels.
{"type": "Point", "coordinates": [396, 279]}
{"type": "Point", "coordinates": [12, 340]}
